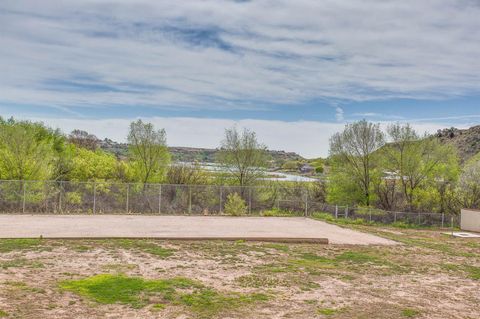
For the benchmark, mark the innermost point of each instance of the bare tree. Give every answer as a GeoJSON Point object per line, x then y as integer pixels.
{"type": "Point", "coordinates": [148, 151]}
{"type": "Point", "coordinates": [83, 139]}
{"type": "Point", "coordinates": [243, 156]}
{"type": "Point", "coordinates": [354, 148]}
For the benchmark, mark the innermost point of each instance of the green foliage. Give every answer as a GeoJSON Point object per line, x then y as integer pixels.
{"type": "Point", "coordinates": [235, 205]}
{"type": "Point", "coordinates": [28, 150]}
{"type": "Point", "coordinates": [90, 165]}
{"type": "Point", "coordinates": [243, 156]}
{"type": "Point", "coordinates": [3, 314]}
{"type": "Point", "coordinates": [341, 188]}
{"type": "Point", "coordinates": [148, 152]}
{"type": "Point", "coordinates": [291, 165]}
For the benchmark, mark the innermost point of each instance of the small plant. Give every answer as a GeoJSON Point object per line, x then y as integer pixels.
{"type": "Point", "coordinates": [235, 205]}
{"type": "Point", "coordinates": [3, 314]}
{"type": "Point", "coordinates": [410, 313]}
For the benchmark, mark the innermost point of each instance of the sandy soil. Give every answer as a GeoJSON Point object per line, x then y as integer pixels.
{"type": "Point", "coordinates": [421, 280]}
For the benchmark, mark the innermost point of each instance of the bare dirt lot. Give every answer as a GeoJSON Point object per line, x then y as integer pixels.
{"type": "Point", "coordinates": [430, 276]}
{"type": "Point", "coordinates": [135, 226]}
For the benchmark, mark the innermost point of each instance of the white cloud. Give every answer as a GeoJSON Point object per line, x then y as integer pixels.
{"type": "Point", "coordinates": [308, 138]}
{"type": "Point", "coordinates": [235, 54]}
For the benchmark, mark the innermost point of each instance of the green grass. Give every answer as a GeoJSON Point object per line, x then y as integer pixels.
{"type": "Point", "coordinates": [8, 245]}
{"type": "Point", "coordinates": [328, 311]}
{"type": "Point", "coordinates": [145, 246]}
{"type": "Point", "coordinates": [207, 303]}
{"type": "Point", "coordinates": [3, 314]}
{"type": "Point", "coordinates": [257, 281]}
{"type": "Point", "coordinates": [138, 292]}
{"type": "Point", "coordinates": [20, 263]}
{"type": "Point", "coordinates": [473, 272]}
{"type": "Point", "coordinates": [410, 313]}
{"type": "Point", "coordinates": [134, 291]}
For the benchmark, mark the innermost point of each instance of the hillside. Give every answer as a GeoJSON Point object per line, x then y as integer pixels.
{"type": "Point", "coordinates": [191, 154]}
{"type": "Point", "coordinates": [466, 141]}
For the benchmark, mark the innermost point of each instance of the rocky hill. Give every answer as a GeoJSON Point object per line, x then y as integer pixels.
{"type": "Point", "coordinates": [466, 141]}
{"type": "Point", "coordinates": [191, 154]}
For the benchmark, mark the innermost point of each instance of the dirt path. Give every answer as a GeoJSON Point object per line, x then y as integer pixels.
{"type": "Point", "coordinates": [111, 226]}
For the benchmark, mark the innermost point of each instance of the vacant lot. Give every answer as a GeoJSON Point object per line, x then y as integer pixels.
{"type": "Point", "coordinates": [431, 276]}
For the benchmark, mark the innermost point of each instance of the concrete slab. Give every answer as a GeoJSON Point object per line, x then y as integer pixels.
{"type": "Point", "coordinates": [181, 227]}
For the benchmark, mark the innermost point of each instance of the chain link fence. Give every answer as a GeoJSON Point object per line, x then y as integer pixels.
{"type": "Point", "coordinates": [61, 197]}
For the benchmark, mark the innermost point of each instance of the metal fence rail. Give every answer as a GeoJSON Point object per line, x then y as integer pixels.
{"type": "Point", "coordinates": [62, 197]}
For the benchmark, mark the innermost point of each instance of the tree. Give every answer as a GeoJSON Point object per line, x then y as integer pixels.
{"type": "Point", "coordinates": [468, 191]}
{"type": "Point", "coordinates": [148, 151]}
{"type": "Point", "coordinates": [27, 150]}
{"type": "Point", "coordinates": [418, 161]}
{"type": "Point", "coordinates": [90, 165]}
{"type": "Point", "coordinates": [353, 149]}
{"type": "Point", "coordinates": [185, 174]}
{"type": "Point", "coordinates": [243, 156]}
{"type": "Point", "coordinates": [83, 139]}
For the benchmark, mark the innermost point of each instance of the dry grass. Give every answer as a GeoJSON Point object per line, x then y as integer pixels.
{"type": "Point", "coordinates": [431, 276]}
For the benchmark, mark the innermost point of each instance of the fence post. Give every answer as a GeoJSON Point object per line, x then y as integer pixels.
{"type": "Point", "coordinates": [346, 212]}
{"type": "Point", "coordinates": [60, 197]}
{"type": "Point", "coordinates": [160, 199]}
{"type": "Point", "coordinates": [394, 217]}
{"type": "Point", "coordinates": [443, 219]}
{"type": "Point", "coordinates": [24, 196]}
{"type": "Point", "coordinates": [306, 202]}
{"type": "Point", "coordinates": [221, 197]}
{"type": "Point", "coordinates": [336, 211]}
{"type": "Point", "coordinates": [250, 200]}
{"type": "Point", "coordinates": [189, 199]}
{"type": "Point", "coordinates": [128, 196]}
{"type": "Point", "coordinates": [370, 213]}
{"type": "Point", "coordinates": [94, 197]}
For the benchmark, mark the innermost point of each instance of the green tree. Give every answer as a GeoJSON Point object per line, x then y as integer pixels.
{"type": "Point", "coordinates": [28, 150]}
{"type": "Point", "coordinates": [90, 165]}
{"type": "Point", "coordinates": [243, 156]}
{"type": "Point", "coordinates": [353, 150]}
{"type": "Point", "coordinates": [420, 162]}
{"type": "Point", "coordinates": [148, 152]}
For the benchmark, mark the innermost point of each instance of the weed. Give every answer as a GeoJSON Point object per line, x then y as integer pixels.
{"type": "Point", "coordinates": [3, 314]}
{"type": "Point", "coordinates": [410, 313]}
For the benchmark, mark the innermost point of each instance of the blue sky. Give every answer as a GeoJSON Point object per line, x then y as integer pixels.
{"type": "Point", "coordinates": [294, 71]}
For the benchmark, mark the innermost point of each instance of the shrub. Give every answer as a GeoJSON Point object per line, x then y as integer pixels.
{"type": "Point", "coordinates": [235, 205]}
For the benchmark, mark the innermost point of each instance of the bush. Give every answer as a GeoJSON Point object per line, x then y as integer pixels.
{"type": "Point", "coordinates": [235, 205]}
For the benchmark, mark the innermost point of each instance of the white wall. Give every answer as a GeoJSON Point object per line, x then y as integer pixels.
{"type": "Point", "coordinates": [470, 220]}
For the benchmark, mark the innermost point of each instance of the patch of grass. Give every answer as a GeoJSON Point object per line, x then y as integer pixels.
{"type": "Point", "coordinates": [328, 311]}
{"type": "Point", "coordinates": [3, 314]}
{"type": "Point", "coordinates": [276, 212]}
{"type": "Point", "coordinates": [208, 303]}
{"type": "Point", "coordinates": [8, 245]}
{"type": "Point", "coordinates": [410, 313]}
{"type": "Point", "coordinates": [145, 246]}
{"type": "Point", "coordinates": [20, 263]}
{"type": "Point", "coordinates": [473, 272]}
{"type": "Point", "coordinates": [357, 258]}
{"type": "Point", "coordinates": [119, 268]}
{"type": "Point", "coordinates": [138, 292]}
{"type": "Point", "coordinates": [256, 281]}
{"type": "Point", "coordinates": [279, 247]}
{"type": "Point", "coordinates": [134, 291]}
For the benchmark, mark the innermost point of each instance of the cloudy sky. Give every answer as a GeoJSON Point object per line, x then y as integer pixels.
{"type": "Point", "coordinates": [294, 71]}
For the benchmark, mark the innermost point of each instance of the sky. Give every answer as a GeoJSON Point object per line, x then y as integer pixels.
{"type": "Point", "coordinates": [295, 72]}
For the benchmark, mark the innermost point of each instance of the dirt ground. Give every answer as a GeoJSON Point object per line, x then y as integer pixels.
{"type": "Point", "coordinates": [141, 226]}
{"type": "Point", "coordinates": [430, 276]}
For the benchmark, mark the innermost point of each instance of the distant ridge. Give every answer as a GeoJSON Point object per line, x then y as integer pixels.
{"type": "Point", "coordinates": [191, 154]}
{"type": "Point", "coordinates": [467, 141]}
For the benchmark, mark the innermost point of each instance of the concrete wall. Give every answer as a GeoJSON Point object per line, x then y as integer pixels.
{"type": "Point", "coordinates": [470, 220]}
